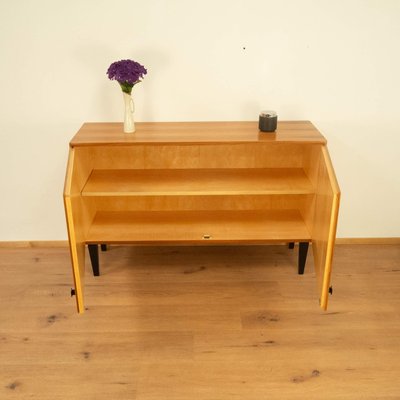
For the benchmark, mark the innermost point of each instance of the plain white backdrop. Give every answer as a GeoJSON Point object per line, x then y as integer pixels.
{"type": "Point", "coordinates": [336, 63]}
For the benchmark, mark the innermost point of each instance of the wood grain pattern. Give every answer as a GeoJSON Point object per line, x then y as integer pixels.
{"type": "Point", "coordinates": [173, 182]}
{"type": "Point", "coordinates": [325, 222]}
{"type": "Point", "coordinates": [215, 202]}
{"type": "Point", "coordinates": [197, 155]}
{"type": "Point", "coordinates": [186, 183]}
{"type": "Point", "coordinates": [195, 132]}
{"type": "Point", "coordinates": [79, 215]}
{"type": "Point", "coordinates": [216, 323]}
{"type": "Point", "coordinates": [64, 243]}
{"type": "Point", "coordinates": [198, 227]}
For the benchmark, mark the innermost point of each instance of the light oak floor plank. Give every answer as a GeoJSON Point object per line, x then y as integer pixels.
{"type": "Point", "coordinates": [203, 323]}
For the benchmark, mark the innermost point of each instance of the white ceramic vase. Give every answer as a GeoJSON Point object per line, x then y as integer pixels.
{"type": "Point", "coordinates": [129, 123]}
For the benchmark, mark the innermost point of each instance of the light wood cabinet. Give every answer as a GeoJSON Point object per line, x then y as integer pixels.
{"type": "Point", "coordinates": [201, 183]}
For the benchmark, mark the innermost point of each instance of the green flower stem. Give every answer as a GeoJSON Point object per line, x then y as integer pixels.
{"type": "Point", "coordinates": [127, 87]}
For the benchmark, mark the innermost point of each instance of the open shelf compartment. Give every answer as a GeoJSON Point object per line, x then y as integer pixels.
{"type": "Point", "coordinates": [198, 227]}
{"type": "Point", "coordinates": [221, 181]}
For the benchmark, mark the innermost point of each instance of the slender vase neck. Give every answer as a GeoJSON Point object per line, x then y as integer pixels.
{"type": "Point", "coordinates": [129, 123]}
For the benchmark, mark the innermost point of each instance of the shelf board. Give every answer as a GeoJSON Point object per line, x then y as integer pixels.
{"type": "Point", "coordinates": [198, 227]}
{"type": "Point", "coordinates": [173, 182]}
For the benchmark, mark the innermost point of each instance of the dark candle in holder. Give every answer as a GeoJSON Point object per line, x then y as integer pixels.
{"type": "Point", "coordinates": [268, 121]}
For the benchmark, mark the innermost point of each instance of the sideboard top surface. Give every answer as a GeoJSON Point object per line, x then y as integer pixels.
{"type": "Point", "coordinates": [111, 133]}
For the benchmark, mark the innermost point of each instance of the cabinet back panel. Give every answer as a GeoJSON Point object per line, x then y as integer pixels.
{"type": "Point", "coordinates": [248, 155]}
{"type": "Point", "coordinates": [170, 203]}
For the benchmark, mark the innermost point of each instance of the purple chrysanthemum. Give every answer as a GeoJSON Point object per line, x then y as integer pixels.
{"type": "Point", "coordinates": [127, 73]}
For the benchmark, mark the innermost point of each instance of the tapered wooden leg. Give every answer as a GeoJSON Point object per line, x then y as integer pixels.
{"type": "Point", "coordinates": [103, 247]}
{"type": "Point", "coordinates": [291, 245]}
{"type": "Point", "coordinates": [94, 258]}
{"type": "Point", "coordinates": [303, 249]}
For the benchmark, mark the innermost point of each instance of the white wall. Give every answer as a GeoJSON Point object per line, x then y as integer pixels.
{"type": "Point", "coordinates": [336, 63]}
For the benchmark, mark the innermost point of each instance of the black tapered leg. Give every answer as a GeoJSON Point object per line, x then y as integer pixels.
{"type": "Point", "coordinates": [94, 258]}
{"type": "Point", "coordinates": [303, 249]}
{"type": "Point", "coordinates": [291, 245]}
{"type": "Point", "coordinates": [103, 247]}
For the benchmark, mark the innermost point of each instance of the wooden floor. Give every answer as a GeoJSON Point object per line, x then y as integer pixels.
{"type": "Point", "coordinates": [207, 323]}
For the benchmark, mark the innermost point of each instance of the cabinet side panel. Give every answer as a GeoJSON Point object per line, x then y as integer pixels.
{"type": "Point", "coordinates": [77, 251]}
{"type": "Point", "coordinates": [311, 160]}
{"type": "Point", "coordinates": [312, 156]}
{"type": "Point", "coordinates": [324, 227]}
{"type": "Point", "coordinates": [79, 214]}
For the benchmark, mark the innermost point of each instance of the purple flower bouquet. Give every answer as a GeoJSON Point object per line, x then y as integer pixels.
{"type": "Point", "coordinates": [127, 73]}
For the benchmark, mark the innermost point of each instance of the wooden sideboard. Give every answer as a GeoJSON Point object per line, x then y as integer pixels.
{"type": "Point", "coordinates": [201, 183]}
